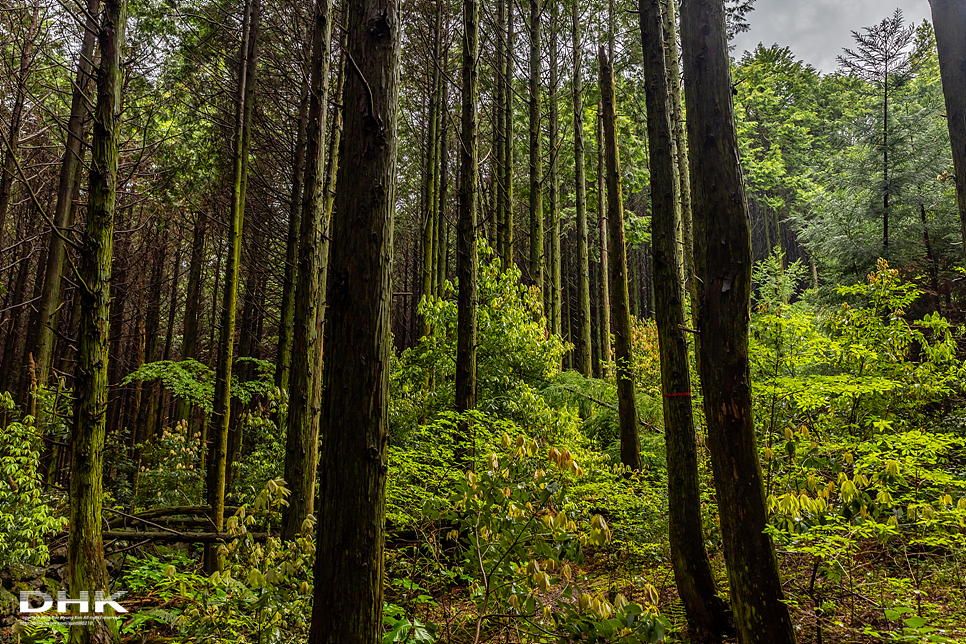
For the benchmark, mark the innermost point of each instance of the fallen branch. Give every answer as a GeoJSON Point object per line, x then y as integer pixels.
{"type": "Point", "coordinates": [185, 537]}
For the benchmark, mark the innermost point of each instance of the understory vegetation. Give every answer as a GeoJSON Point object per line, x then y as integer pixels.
{"type": "Point", "coordinates": [546, 536]}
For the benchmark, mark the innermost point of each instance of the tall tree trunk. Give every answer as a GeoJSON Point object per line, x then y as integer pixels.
{"type": "Point", "coordinates": [192, 304]}
{"type": "Point", "coordinates": [724, 261]}
{"type": "Point", "coordinates": [500, 132]}
{"type": "Point", "coordinates": [626, 398]}
{"type": "Point", "coordinates": [147, 410]}
{"type": "Point", "coordinates": [706, 613]}
{"type": "Point", "coordinates": [302, 435]}
{"type": "Point", "coordinates": [583, 341]}
{"type": "Point", "coordinates": [536, 152]}
{"type": "Point", "coordinates": [349, 565]}
{"type": "Point", "coordinates": [554, 131]}
{"type": "Point", "coordinates": [221, 417]}
{"type": "Point", "coordinates": [286, 324]}
{"type": "Point", "coordinates": [12, 140]}
{"type": "Point", "coordinates": [930, 256]}
{"type": "Point", "coordinates": [466, 259]}
{"type": "Point", "coordinates": [85, 548]}
{"type": "Point", "coordinates": [949, 23]}
{"type": "Point", "coordinates": [68, 185]}
{"type": "Point", "coordinates": [506, 180]}
{"type": "Point", "coordinates": [605, 304]}
{"type": "Point", "coordinates": [431, 187]}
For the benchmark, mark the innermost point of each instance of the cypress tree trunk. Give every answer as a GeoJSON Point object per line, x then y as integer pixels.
{"type": "Point", "coordinates": [466, 258]}
{"type": "Point", "coordinates": [192, 304]}
{"type": "Point", "coordinates": [723, 256]}
{"type": "Point", "coordinates": [536, 152]}
{"type": "Point", "coordinates": [302, 435]}
{"type": "Point", "coordinates": [556, 294]}
{"type": "Point", "coordinates": [147, 409]}
{"type": "Point", "coordinates": [349, 565]}
{"type": "Point", "coordinates": [605, 356]}
{"type": "Point", "coordinates": [67, 188]}
{"type": "Point", "coordinates": [286, 324]}
{"type": "Point", "coordinates": [335, 139]}
{"type": "Point", "coordinates": [85, 548]}
{"type": "Point", "coordinates": [431, 187]}
{"type": "Point", "coordinates": [706, 613]}
{"type": "Point", "coordinates": [221, 417]}
{"type": "Point", "coordinates": [506, 180]}
{"type": "Point", "coordinates": [442, 237]}
{"type": "Point", "coordinates": [583, 341]}
{"type": "Point", "coordinates": [626, 399]}
{"type": "Point", "coordinates": [949, 23]}
{"type": "Point", "coordinates": [499, 133]}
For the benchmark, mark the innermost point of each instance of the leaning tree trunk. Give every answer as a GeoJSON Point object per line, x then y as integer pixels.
{"type": "Point", "coordinates": [70, 175]}
{"type": "Point", "coordinates": [221, 417]}
{"type": "Point", "coordinates": [619, 299]}
{"type": "Point", "coordinates": [706, 613]}
{"type": "Point", "coordinates": [723, 256]}
{"type": "Point", "coordinates": [536, 152]}
{"type": "Point", "coordinates": [949, 23]}
{"type": "Point", "coordinates": [466, 260]}
{"type": "Point", "coordinates": [85, 548]}
{"type": "Point", "coordinates": [302, 435]}
{"type": "Point", "coordinates": [349, 563]}
{"type": "Point", "coordinates": [583, 340]}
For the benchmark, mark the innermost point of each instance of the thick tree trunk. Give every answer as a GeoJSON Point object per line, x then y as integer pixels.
{"type": "Point", "coordinates": [85, 549]}
{"type": "Point", "coordinates": [536, 152]}
{"type": "Point", "coordinates": [582, 337]}
{"type": "Point", "coordinates": [466, 257]}
{"type": "Point", "coordinates": [626, 398]}
{"type": "Point", "coordinates": [706, 613]}
{"type": "Point", "coordinates": [604, 329]}
{"type": "Point", "coordinates": [724, 261]}
{"type": "Point", "coordinates": [221, 417]}
{"type": "Point", "coordinates": [70, 175]}
{"type": "Point", "coordinates": [949, 23]}
{"type": "Point", "coordinates": [302, 435]}
{"type": "Point", "coordinates": [349, 564]}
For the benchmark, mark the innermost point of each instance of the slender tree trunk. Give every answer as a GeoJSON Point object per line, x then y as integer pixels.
{"type": "Point", "coordinates": [16, 117]}
{"type": "Point", "coordinates": [302, 435]}
{"type": "Point", "coordinates": [466, 259]}
{"type": "Point", "coordinates": [556, 294]}
{"type": "Point", "coordinates": [583, 341]}
{"type": "Point", "coordinates": [68, 185]}
{"type": "Point", "coordinates": [706, 613]}
{"type": "Point", "coordinates": [626, 398]}
{"type": "Point", "coordinates": [930, 255]}
{"type": "Point", "coordinates": [147, 409]}
{"type": "Point", "coordinates": [536, 152]}
{"type": "Point", "coordinates": [192, 304]}
{"type": "Point", "coordinates": [85, 549]}
{"type": "Point", "coordinates": [500, 133]}
{"type": "Point", "coordinates": [949, 23]}
{"type": "Point", "coordinates": [218, 438]}
{"type": "Point", "coordinates": [605, 304]}
{"type": "Point", "coordinates": [442, 238]}
{"type": "Point", "coordinates": [286, 325]}
{"type": "Point", "coordinates": [349, 564]}
{"type": "Point", "coordinates": [431, 187]}
{"type": "Point", "coordinates": [724, 261]}
{"type": "Point", "coordinates": [506, 180]}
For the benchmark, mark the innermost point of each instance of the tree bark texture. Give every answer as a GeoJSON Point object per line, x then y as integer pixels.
{"type": "Point", "coordinates": [723, 256]}
{"type": "Point", "coordinates": [619, 299]}
{"type": "Point", "coordinates": [583, 336]}
{"type": "Point", "coordinates": [348, 599]}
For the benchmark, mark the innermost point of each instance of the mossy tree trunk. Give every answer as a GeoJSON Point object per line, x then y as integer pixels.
{"type": "Point", "coordinates": [619, 298]}
{"type": "Point", "coordinates": [302, 435]}
{"type": "Point", "coordinates": [555, 285]}
{"type": "Point", "coordinates": [217, 460]}
{"type": "Point", "coordinates": [85, 548]}
{"type": "Point", "coordinates": [536, 151]}
{"type": "Point", "coordinates": [706, 613]}
{"type": "Point", "coordinates": [724, 261]}
{"type": "Point", "coordinates": [349, 563]}
{"type": "Point", "coordinates": [466, 255]}
{"type": "Point", "coordinates": [583, 336]}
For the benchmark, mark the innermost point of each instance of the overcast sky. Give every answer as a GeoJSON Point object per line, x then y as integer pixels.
{"type": "Point", "coordinates": [817, 30]}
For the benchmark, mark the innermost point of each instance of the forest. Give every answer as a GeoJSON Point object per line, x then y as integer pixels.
{"type": "Point", "coordinates": [533, 321]}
